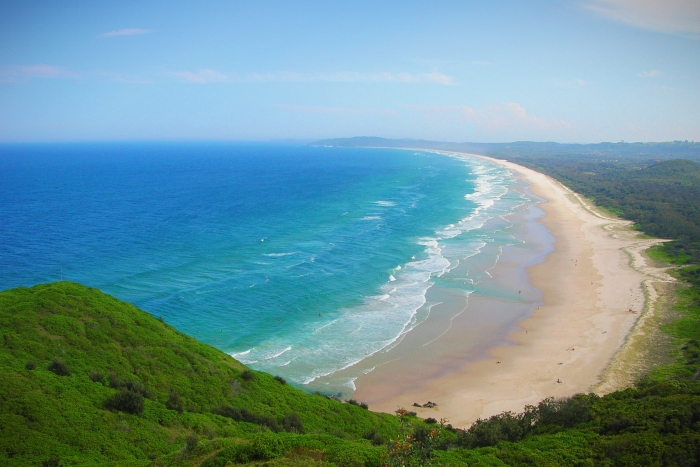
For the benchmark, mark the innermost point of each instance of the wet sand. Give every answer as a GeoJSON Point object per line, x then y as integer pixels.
{"type": "Point", "coordinates": [570, 318]}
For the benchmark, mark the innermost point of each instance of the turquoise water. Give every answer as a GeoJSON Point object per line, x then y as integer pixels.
{"type": "Point", "coordinates": [296, 260]}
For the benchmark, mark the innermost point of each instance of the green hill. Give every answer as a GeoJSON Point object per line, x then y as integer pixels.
{"type": "Point", "coordinates": [86, 379]}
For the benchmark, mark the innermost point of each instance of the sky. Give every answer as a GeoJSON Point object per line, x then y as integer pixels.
{"type": "Point", "coordinates": [496, 71]}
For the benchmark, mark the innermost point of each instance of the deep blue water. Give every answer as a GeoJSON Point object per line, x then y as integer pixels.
{"type": "Point", "coordinates": [297, 260]}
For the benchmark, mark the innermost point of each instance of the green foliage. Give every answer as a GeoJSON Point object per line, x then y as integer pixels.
{"type": "Point", "coordinates": [127, 401]}
{"type": "Point", "coordinates": [416, 444]}
{"type": "Point", "coordinates": [244, 415]}
{"type": "Point", "coordinates": [280, 380]}
{"type": "Point", "coordinates": [139, 391]}
{"type": "Point", "coordinates": [58, 367]}
{"type": "Point", "coordinates": [359, 404]}
{"type": "Point", "coordinates": [175, 402]}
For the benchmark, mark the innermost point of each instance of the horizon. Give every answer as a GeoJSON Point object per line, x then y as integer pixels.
{"type": "Point", "coordinates": [319, 140]}
{"type": "Point", "coordinates": [576, 72]}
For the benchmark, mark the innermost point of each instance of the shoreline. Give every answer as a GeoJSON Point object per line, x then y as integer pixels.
{"type": "Point", "coordinates": [589, 282]}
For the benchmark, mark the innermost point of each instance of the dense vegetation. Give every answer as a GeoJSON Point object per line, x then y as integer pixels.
{"type": "Point", "coordinates": [88, 380]}
{"type": "Point", "coordinates": [533, 150]}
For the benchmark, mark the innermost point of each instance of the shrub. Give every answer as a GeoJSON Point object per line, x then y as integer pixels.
{"type": "Point", "coordinates": [58, 367]}
{"type": "Point", "coordinates": [247, 375]}
{"type": "Point", "coordinates": [292, 423]}
{"type": "Point", "coordinates": [506, 426]}
{"type": "Point", "coordinates": [191, 442]}
{"type": "Point", "coordinates": [114, 381]}
{"type": "Point", "coordinates": [430, 420]}
{"type": "Point", "coordinates": [374, 437]}
{"type": "Point", "coordinates": [134, 386]}
{"type": "Point", "coordinates": [126, 401]}
{"type": "Point", "coordinates": [137, 387]}
{"type": "Point", "coordinates": [174, 402]}
{"type": "Point", "coordinates": [353, 402]}
{"type": "Point", "coordinates": [30, 365]}
{"type": "Point", "coordinates": [280, 380]}
{"type": "Point", "coordinates": [97, 377]}
{"type": "Point", "coordinates": [364, 406]}
{"type": "Point", "coordinates": [244, 415]}
{"type": "Point", "coordinates": [564, 412]}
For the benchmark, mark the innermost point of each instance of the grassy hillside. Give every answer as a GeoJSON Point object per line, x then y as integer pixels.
{"type": "Point", "coordinates": [86, 379]}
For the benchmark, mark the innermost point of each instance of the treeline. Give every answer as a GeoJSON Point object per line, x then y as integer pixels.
{"type": "Point", "coordinates": [536, 150]}
{"type": "Point", "coordinates": [662, 198]}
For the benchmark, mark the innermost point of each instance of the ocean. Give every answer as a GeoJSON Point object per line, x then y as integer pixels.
{"type": "Point", "coordinates": [300, 261]}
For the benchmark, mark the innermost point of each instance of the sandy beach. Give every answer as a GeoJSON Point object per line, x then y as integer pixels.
{"type": "Point", "coordinates": [595, 285]}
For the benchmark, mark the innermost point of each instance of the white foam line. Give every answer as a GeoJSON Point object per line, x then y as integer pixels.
{"type": "Point", "coordinates": [280, 353]}
{"type": "Point", "coordinates": [450, 326]}
{"type": "Point", "coordinates": [489, 191]}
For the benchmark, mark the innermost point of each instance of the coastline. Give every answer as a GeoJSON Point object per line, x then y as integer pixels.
{"type": "Point", "coordinates": [590, 281]}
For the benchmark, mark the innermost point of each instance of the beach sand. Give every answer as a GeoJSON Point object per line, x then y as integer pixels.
{"type": "Point", "coordinates": [591, 280]}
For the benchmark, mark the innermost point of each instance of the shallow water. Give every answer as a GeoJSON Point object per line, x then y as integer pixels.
{"type": "Point", "coordinates": [299, 261]}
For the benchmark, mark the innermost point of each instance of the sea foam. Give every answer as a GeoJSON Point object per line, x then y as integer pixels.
{"type": "Point", "coordinates": [381, 320]}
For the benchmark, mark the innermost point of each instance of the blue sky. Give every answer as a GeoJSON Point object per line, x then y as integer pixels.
{"type": "Point", "coordinates": [541, 70]}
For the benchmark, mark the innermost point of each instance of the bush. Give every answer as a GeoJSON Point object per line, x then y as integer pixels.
{"type": "Point", "coordinates": [191, 442]}
{"type": "Point", "coordinates": [97, 377]}
{"type": "Point", "coordinates": [174, 402]}
{"type": "Point", "coordinates": [506, 426]}
{"type": "Point", "coordinates": [375, 437]}
{"type": "Point", "coordinates": [248, 375]}
{"type": "Point", "coordinates": [430, 420]}
{"type": "Point", "coordinates": [292, 423]}
{"type": "Point", "coordinates": [30, 365]}
{"type": "Point", "coordinates": [114, 381]}
{"type": "Point", "coordinates": [359, 404]}
{"type": "Point", "coordinates": [244, 415]}
{"type": "Point", "coordinates": [135, 386]}
{"type": "Point", "coordinates": [127, 401]}
{"type": "Point", "coordinates": [566, 412]}
{"type": "Point", "coordinates": [58, 367]}
{"type": "Point", "coordinates": [280, 380]}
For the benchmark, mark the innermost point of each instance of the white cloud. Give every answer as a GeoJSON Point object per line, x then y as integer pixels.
{"type": "Point", "coordinates": [508, 116]}
{"type": "Point", "coordinates": [23, 72]}
{"type": "Point", "coordinates": [126, 32]}
{"type": "Point", "coordinates": [650, 73]}
{"type": "Point", "coordinates": [681, 17]}
{"type": "Point", "coordinates": [207, 75]}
